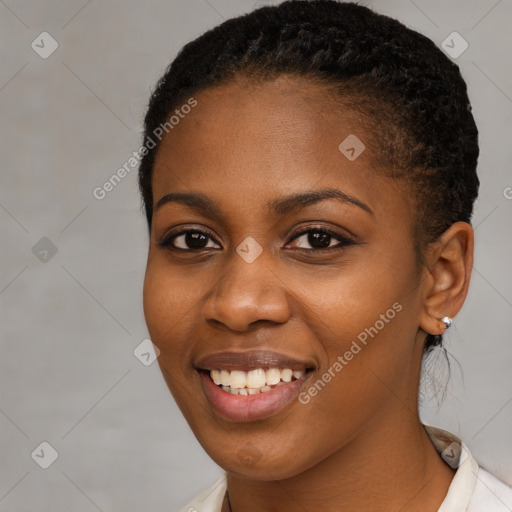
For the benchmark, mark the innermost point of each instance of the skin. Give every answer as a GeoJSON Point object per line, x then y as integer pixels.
{"type": "Point", "coordinates": [244, 145]}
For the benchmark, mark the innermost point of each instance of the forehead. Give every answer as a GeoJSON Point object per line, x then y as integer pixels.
{"type": "Point", "coordinates": [277, 119]}
{"type": "Point", "coordinates": [247, 139]}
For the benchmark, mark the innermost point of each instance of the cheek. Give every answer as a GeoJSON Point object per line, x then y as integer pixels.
{"type": "Point", "coordinates": [169, 313]}
{"type": "Point", "coordinates": [363, 321]}
{"type": "Point", "coordinates": [168, 308]}
{"type": "Point", "coordinates": [340, 304]}
{"type": "Point", "coordinates": [167, 294]}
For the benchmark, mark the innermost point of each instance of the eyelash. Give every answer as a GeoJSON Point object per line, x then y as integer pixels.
{"type": "Point", "coordinates": [166, 241]}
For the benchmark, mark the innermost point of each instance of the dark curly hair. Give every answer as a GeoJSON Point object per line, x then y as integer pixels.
{"type": "Point", "coordinates": [410, 96]}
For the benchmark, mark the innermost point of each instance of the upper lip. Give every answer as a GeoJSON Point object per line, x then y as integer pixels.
{"type": "Point", "coordinates": [250, 360]}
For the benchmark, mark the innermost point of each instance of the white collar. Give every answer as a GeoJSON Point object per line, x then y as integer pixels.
{"type": "Point", "coordinates": [456, 454]}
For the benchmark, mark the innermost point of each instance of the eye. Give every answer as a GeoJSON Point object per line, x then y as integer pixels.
{"type": "Point", "coordinates": [320, 239]}
{"type": "Point", "coordinates": [188, 240]}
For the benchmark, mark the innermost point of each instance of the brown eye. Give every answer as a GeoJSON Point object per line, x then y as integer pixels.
{"type": "Point", "coordinates": [188, 240]}
{"type": "Point", "coordinates": [320, 239]}
{"type": "Point", "coordinates": [316, 239]}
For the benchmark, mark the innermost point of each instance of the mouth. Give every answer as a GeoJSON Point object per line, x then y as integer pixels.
{"type": "Point", "coordinates": [252, 385]}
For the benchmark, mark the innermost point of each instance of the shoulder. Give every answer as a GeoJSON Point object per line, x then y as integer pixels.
{"type": "Point", "coordinates": [490, 494]}
{"type": "Point", "coordinates": [210, 500]}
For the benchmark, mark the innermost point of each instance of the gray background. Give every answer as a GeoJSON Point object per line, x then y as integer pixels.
{"type": "Point", "coordinates": [69, 325]}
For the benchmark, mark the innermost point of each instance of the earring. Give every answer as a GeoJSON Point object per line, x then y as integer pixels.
{"type": "Point", "coordinates": [447, 321]}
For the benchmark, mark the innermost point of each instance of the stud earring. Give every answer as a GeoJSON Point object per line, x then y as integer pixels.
{"type": "Point", "coordinates": [447, 321]}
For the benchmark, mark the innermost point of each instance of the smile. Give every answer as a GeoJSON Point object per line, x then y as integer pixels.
{"type": "Point", "coordinates": [250, 386]}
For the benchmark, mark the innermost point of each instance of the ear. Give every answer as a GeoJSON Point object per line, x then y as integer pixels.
{"type": "Point", "coordinates": [447, 272]}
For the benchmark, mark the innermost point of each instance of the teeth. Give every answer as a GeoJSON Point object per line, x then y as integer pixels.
{"type": "Point", "coordinates": [253, 382]}
{"type": "Point", "coordinates": [273, 376]}
{"type": "Point", "coordinates": [215, 375]}
{"type": "Point", "coordinates": [286, 375]}
{"type": "Point", "coordinates": [224, 378]}
{"type": "Point", "coordinates": [256, 378]}
{"type": "Point", "coordinates": [237, 379]}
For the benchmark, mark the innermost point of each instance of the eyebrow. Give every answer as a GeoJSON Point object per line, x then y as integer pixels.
{"type": "Point", "coordinates": [294, 202]}
{"type": "Point", "coordinates": [280, 206]}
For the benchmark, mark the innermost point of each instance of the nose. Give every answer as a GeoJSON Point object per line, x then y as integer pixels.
{"type": "Point", "coordinates": [245, 294]}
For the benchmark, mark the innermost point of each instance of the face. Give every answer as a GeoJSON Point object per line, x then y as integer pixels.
{"type": "Point", "coordinates": [282, 286]}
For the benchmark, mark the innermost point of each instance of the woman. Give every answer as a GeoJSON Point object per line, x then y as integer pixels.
{"type": "Point", "coordinates": [309, 182]}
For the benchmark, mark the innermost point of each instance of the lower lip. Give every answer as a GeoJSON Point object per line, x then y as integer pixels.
{"type": "Point", "coordinates": [250, 407]}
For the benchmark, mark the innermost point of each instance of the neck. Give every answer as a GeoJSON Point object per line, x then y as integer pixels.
{"type": "Point", "coordinates": [391, 465]}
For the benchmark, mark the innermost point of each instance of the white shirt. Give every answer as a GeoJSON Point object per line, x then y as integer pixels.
{"type": "Point", "coordinates": [473, 489]}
